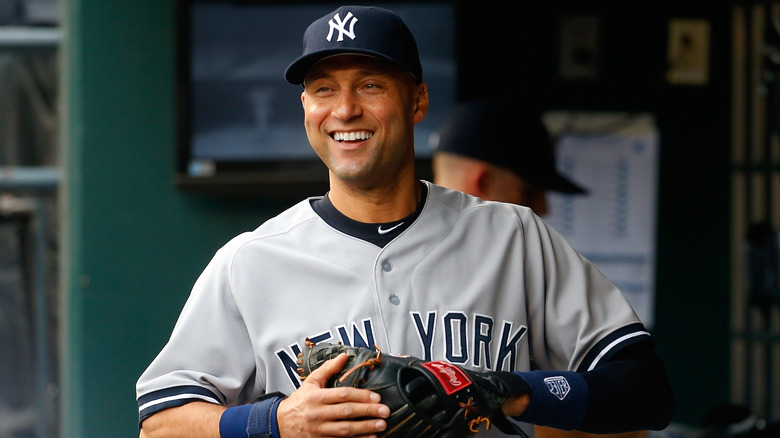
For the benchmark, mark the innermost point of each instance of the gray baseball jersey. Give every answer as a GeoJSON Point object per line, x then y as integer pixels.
{"type": "Point", "coordinates": [486, 285]}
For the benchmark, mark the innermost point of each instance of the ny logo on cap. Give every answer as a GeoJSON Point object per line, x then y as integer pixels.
{"type": "Point", "coordinates": [339, 25]}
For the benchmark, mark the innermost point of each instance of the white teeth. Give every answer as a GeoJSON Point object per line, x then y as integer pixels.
{"type": "Point", "coordinates": [359, 135]}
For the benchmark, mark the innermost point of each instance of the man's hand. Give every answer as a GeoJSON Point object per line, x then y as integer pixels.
{"type": "Point", "coordinates": [314, 410]}
{"type": "Point", "coordinates": [515, 406]}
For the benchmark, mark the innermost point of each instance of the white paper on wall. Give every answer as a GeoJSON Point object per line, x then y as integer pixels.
{"type": "Point", "coordinates": [615, 157]}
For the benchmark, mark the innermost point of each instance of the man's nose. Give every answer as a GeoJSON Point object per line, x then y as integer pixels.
{"type": "Point", "coordinates": [347, 106]}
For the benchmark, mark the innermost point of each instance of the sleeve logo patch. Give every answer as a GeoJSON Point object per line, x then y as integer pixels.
{"type": "Point", "coordinates": [451, 378]}
{"type": "Point", "coordinates": [558, 386]}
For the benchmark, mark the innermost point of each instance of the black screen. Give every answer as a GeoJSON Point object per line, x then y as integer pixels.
{"type": "Point", "coordinates": [241, 122]}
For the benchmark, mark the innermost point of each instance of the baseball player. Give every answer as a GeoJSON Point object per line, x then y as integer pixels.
{"type": "Point", "coordinates": [474, 153]}
{"type": "Point", "coordinates": [386, 260]}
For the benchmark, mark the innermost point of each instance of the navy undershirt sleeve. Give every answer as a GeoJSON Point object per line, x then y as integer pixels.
{"type": "Point", "coordinates": [630, 391]}
{"type": "Point", "coordinates": [558, 399]}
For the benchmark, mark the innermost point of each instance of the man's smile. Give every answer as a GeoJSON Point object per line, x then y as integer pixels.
{"type": "Point", "coordinates": [352, 135]}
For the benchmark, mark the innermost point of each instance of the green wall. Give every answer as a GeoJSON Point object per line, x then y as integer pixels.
{"type": "Point", "coordinates": [133, 244]}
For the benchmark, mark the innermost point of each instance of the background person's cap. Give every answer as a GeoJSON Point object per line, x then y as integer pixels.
{"type": "Point", "coordinates": [366, 30]}
{"type": "Point", "coordinates": [502, 134]}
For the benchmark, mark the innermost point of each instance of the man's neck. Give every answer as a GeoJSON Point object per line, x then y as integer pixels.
{"type": "Point", "coordinates": [377, 205]}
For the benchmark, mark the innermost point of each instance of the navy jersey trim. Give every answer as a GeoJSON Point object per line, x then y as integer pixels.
{"type": "Point", "coordinates": [157, 401]}
{"type": "Point", "coordinates": [380, 234]}
{"type": "Point", "coordinates": [614, 342]}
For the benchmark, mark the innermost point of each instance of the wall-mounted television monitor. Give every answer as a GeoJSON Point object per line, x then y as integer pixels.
{"type": "Point", "coordinates": [241, 124]}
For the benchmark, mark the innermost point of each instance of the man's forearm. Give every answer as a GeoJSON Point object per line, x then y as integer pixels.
{"type": "Point", "coordinates": [196, 419]}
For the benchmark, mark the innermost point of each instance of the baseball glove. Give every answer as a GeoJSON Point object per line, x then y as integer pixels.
{"type": "Point", "coordinates": [426, 399]}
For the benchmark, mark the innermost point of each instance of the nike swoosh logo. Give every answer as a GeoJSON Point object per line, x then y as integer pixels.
{"type": "Point", "coordinates": [381, 231]}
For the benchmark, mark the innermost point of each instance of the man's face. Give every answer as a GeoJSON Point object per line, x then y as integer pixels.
{"type": "Point", "coordinates": [359, 115]}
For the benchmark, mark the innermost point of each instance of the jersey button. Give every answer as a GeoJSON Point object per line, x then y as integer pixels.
{"type": "Point", "coordinates": [387, 267]}
{"type": "Point", "coordinates": [395, 300]}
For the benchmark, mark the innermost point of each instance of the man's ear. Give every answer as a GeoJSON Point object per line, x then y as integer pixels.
{"type": "Point", "coordinates": [421, 103]}
{"type": "Point", "coordinates": [479, 180]}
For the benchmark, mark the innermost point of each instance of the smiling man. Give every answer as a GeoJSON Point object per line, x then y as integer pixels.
{"type": "Point", "coordinates": [388, 261]}
{"type": "Point", "coordinates": [359, 117]}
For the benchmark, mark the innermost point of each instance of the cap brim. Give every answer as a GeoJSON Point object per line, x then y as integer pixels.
{"type": "Point", "coordinates": [560, 184]}
{"type": "Point", "coordinates": [296, 72]}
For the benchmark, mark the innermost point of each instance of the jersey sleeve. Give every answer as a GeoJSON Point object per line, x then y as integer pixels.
{"type": "Point", "coordinates": [209, 356]}
{"type": "Point", "coordinates": [580, 323]}
{"type": "Point", "coordinates": [577, 316]}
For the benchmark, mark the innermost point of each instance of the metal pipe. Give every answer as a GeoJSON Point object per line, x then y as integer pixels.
{"type": "Point", "coordinates": [41, 180]}
{"type": "Point", "coordinates": [14, 178]}
{"type": "Point", "coordinates": [15, 37]}
{"type": "Point", "coordinates": [41, 287]}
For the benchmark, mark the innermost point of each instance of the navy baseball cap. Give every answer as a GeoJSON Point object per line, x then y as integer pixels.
{"type": "Point", "coordinates": [500, 133]}
{"type": "Point", "coordinates": [366, 30]}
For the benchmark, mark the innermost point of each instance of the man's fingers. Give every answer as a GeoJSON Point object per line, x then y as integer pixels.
{"type": "Point", "coordinates": [348, 411]}
{"type": "Point", "coordinates": [334, 365]}
{"type": "Point", "coordinates": [352, 428]}
{"type": "Point", "coordinates": [321, 375]}
{"type": "Point", "coordinates": [336, 396]}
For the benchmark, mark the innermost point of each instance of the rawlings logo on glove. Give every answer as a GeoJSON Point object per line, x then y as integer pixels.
{"type": "Point", "coordinates": [456, 379]}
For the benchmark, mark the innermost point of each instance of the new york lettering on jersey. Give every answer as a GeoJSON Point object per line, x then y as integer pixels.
{"type": "Point", "coordinates": [478, 344]}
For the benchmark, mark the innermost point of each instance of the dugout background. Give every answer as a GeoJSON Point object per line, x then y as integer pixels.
{"type": "Point", "coordinates": [132, 244]}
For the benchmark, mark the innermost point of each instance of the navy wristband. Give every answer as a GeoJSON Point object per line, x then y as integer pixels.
{"type": "Point", "coordinates": [256, 420]}
{"type": "Point", "coordinates": [232, 423]}
{"type": "Point", "coordinates": [559, 399]}
{"type": "Point", "coordinates": [262, 417]}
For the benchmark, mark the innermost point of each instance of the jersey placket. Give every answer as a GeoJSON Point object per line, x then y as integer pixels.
{"type": "Point", "coordinates": [394, 296]}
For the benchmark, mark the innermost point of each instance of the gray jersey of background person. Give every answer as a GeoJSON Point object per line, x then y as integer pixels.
{"type": "Point", "coordinates": [498, 151]}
